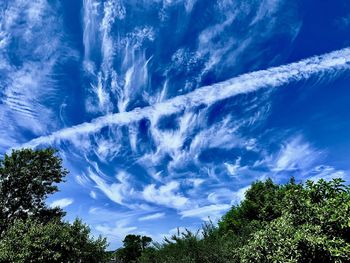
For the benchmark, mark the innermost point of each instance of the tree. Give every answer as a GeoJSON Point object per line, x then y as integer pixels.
{"type": "Point", "coordinates": [26, 178]}
{"type": "Point", "coordinates": [33, 241]}
{"type": "Point", "coordinates": [145, 241]}
{"type": "Point", "coordinates": [29, 230]}
{"type": "Point", "coordinates": [262, 203]}
{"type": "Point", "coordinates": [133, 246]}
{"type": "Point", "coordinates": [314, 227]}
{"type": "Point", "coordinates": [306, 223]}
{"type": "Point", "coordinates": [205, 246]}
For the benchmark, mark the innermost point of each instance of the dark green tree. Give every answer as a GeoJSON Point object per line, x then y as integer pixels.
{"type": "Point", "coordinates": [30, 231]}
{"type": "Point", "coordinates": [262, 203]}
{"type": "Point", "coordinates": [26, 178]}
{"type": "Point", "coordinates": [306, 223]}
{"type": "Point", "coordinates": [145, 242]}
{"type": "Point", "coordinates": [33, 241]}
{"type": "Point", "coordinates": [314, 227]}
{"type": "Point", "coordinates": [133, 246]}
{"type": "Point", "coordinates": [205, 246]}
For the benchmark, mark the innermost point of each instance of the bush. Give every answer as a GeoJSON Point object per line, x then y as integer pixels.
{"type": "Point", "coordinates": [30, 231]}
{"type": "Point", "coordinates": [274, 223]}
{"type": "Point", "coordinates": [33, 241]}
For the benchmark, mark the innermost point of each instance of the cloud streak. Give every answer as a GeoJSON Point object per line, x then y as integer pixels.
{"type": "Point", "coordinates": [152, 217]}
{"type": "Point", "coordinates": [62, 203]}
{"type": "Point", "coordinates": [32, 45]}
{"type": "Point", "coordinates": [166, 195]}
{"type": "Point", "coordinates": [116, 191]}
{"type": "Point", "coordinates": [208, 95]}
{"type": "Point", "coordinates": [203, 212]}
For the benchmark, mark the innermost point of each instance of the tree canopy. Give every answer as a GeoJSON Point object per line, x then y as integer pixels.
{"type": "Point", "coordinates": [274, 223]}
{"type": "Point", "coordinates": [292, 222]}
{"type": "Point", "coordinates": [33, 241]}
{"type": "Point", "coordinates": [27, 177]}
{"type": "Point", "coordinates": [133, 247]}
{"type": "Point", "coordinates": [30, 231]}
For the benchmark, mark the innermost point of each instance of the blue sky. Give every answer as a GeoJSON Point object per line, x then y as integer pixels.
{"type": "Point", "coordinates": [165, 111]}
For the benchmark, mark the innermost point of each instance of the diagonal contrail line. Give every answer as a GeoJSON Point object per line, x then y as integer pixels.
{"type": "Point", "coordinates": [207, 95]}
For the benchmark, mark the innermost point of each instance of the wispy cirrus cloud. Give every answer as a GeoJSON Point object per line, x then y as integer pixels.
{"type": "Point", "coordinates": [250, 82]}
{"type": "Point", "coordinates": [166, 195]}
{"type": "Point", "coordinates": [226, 47]}
{"type": "Point", "coordinates": [295, 155]}
{"type": "Point", "coordinates": [112, 89]}
{"type": "Point", "coordinates": [117, 192]}
{"type": "Point", "coordinates": [98, 22]}
{"type": "Point", "coordinates": [299, 158]}
{"type": "Point", "coordinates": [115, 225]}
{"type": "Point", "coordinates": [31, 47]}
{"type": "Point", "coordinates": [233, 168]}
{"type": "Point", "coordinates": [62, 203]}
{"type": "Point", "coordinates": [119, 231]}
{"type": "Point", "coordinates": [325, 172]}
{"type": "Point", "coordinates": [115, 233]}
{"type": "Point", "coordinates": [152, 217]}
{"type": "Point", "coordinates": [213, 211]}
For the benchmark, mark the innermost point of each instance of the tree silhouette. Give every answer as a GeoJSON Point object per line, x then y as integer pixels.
{"type": "Point", "coordinates": [27, 177]}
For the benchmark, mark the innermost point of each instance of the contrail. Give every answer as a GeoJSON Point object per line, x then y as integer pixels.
{"type": "Point", "coordinates": [207, 95]}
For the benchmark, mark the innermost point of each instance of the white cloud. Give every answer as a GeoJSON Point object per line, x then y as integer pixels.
{"type": "Point", "coordinates": [224, 195]}
{"type": "Point", "coordinates": [105, 82]}
{"type": "Point", "coordinates": [266, 9]}
{"type": "Point", "coordinates": [28, 82]}
{"type": "Point", "coordinates": [120, 230]}
{"type": "Point", "coordinates": [325, 172]}
{"type": "Point", "coordinates": [106, 215]}
{"type": "Point", "coordinates": [115, 224]}
{"type": "Point", "coordinates": [224, 47]}
{"type": "Point", "coordinates": [212, 211]}
{"type": "Point", "coordinates": [93, 195]}
{"type": "Point", "coordinates": [152, 217]}
{"type": "Point", "coordinates": [337, 60]}
{"type": "Point", "coordinates": [233, 168]}
{"type": "Point", "coordinates": [107, 148]}
{"type": "Point", "coordinates": [221, 135]}
{"type": "Point", "coordinates": [83, 180]}
{"type": "Point", "coordinates": [296, 154]}
{"type": "Point", "coordinates": [62, 203]}
{"type": "Point", "coordinates": [196, 182]}
{"type": "Point", "coordinates": [117, 192]}
{"type": "Point", "coordinates": [117, 232]}
{"type": "Point", "coordinates": [238, 196]}
{"type": "Point", "coordinates": [170, 143]}
{"type": "Point", "coordinates": [166, 195]}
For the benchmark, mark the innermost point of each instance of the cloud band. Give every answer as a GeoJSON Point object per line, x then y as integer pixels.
{"type": "Point", "coordinates": [207, 95]}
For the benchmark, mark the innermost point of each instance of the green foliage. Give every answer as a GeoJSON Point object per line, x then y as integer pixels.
{"type": "Point", "coordinates": [33, 241]}
{"type": "Point", "coordinates": [274, 223]}
{"type": "Point", "coordinates": [26, 178]}
{"type": "Point", "coordinates": [313, 225]}
{"type": "Point", "coordinates": [282, 241]}
{"type": "Point", "coordinates": [262, 203]}
{"type": "Point", "coordinates": [29, 230]}
{"type": "Point", "coordinates": [205, 246]}
{"type": "Point", "coordinates": [133, 247]}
